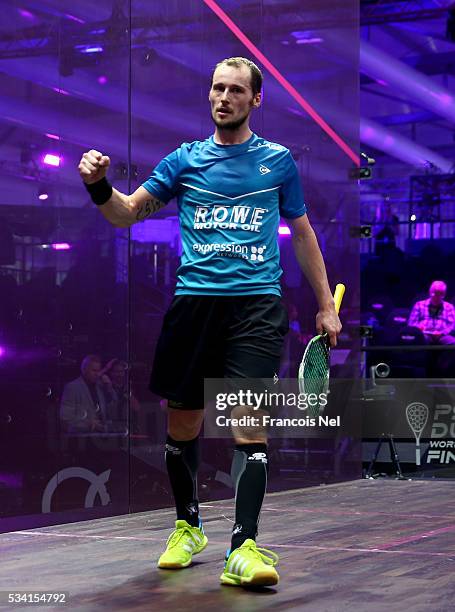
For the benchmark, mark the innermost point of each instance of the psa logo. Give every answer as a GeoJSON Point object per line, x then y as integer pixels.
{"type": "Point", "coordinates": [263, 169]}
{"type": "Point", "coordinates": [97, 486]}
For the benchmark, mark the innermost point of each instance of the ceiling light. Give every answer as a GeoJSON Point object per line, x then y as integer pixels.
{"type": "Point", "coordinates": [43, 194]}
{"type": "Point", "coordinates": [51, 159]}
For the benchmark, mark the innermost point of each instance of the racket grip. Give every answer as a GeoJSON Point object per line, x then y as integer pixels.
{"type": "Point", "coordinates": [338, 296]}
{"type": "Point", "coordinates": [418, 454]}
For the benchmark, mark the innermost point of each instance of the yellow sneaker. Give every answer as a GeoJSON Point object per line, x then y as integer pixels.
{"type": "Point", "coordinates": [249, 565]}
{"type": "Point", "coordinates": [184, 542]}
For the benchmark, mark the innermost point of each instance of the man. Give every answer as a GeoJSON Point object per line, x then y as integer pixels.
{"type": "Point", "coordinates": [386, 228]}
{"type": "Point", "coordinates": [83, 407]}
{"type": "Point", "coordinates": [226, 318]}
{"type": "Point", "coordinates": [434, 316]}
{"type": "Point", "coordinates": [113, 379]}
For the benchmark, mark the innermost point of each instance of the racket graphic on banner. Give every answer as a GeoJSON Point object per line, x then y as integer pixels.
{"type": "Point", "coordinates": [314, 370]}
{"type": "Point", "coordinates": [417, 417]}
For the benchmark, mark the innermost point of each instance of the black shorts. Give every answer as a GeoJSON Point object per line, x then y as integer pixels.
{"type": "Point", "coordinates": [216, 337]}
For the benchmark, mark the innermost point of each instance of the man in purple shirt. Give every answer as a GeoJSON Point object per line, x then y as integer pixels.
{"type": "Point", "coordinates": [434, 316]}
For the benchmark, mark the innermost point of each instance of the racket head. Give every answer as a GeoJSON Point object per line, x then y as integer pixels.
{"type": "Point", "coordinates": [315, 368]}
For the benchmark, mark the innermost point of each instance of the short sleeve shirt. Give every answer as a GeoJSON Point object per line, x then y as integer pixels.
{"type": "Point", "coordinates": [230, 199]}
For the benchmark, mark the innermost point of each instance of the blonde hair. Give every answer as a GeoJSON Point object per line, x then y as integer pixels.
{"type": "Point", "coordinates": [238, 62]}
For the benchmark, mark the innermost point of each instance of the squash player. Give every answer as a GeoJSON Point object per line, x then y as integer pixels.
{"type": "Point", "coordinates": [226, 318]}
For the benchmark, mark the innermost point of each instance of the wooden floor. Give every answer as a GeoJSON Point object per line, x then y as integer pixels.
{"type": "Point", "coordinates": [359, 546]}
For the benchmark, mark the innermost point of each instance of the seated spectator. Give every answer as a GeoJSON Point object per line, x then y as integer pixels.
{"type": "Point", "coordinates": [83, 405]}
{"type": "Point", "coordinates": [115, 387]}
{"type": "Point", "coordinates": [434, 316]}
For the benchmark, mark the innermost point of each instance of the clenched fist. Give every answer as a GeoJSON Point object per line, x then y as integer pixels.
{"type": "Point", "coordinates": [93, 166]}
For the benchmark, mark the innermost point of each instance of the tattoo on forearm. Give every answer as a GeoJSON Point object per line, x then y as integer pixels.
{"type": "Point", "coordinates": [147, 209]}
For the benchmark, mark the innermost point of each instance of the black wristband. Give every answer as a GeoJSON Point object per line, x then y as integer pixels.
{"type": "Point", "coordinates": [100, 192]}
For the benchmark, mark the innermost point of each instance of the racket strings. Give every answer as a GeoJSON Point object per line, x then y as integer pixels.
{"type": "Point", "coordinates": [417, 417]}
{"type": "Point", "coordinates": [315, 371]}
{"type": "Point", "coordinates": [317, 359]}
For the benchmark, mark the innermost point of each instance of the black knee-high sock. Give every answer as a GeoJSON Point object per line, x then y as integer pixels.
{"type": "Point", "coordinates": [249, 475]}
{"type": "Point", "coordinates": [182, 462]}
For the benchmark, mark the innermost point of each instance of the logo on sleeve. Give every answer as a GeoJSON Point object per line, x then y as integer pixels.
{"type": "Point", "coordinates": [263, 169]}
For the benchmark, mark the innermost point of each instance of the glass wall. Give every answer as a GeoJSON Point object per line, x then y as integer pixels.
{"type": "Point", "coordinates": [63, 269]}
{"type": "Point", "coordinates": [82, 302]}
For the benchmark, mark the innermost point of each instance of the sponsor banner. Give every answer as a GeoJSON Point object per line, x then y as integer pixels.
{"type": "Point", "coordinates": [413, 409]}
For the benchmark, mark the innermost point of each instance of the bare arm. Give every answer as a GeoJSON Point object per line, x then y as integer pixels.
{"type": "Point", "coordinates": [120, 210]}
{"type": "Point", "coordinates": [311, 262]}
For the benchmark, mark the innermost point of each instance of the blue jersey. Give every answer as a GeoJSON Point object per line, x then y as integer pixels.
{"type": "Point", "coordinates": [230, 198]}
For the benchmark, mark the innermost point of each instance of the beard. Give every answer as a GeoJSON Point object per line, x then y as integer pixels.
{"type": "Point", "coordinates": [230, 126]}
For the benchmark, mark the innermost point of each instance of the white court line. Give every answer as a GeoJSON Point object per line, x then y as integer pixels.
{"type": "Point", "coordinates": [81, 535]}
{"type": "Point", "coordinates": [346, 512]}
{"type": "Point", "coordinates": [289, 546]}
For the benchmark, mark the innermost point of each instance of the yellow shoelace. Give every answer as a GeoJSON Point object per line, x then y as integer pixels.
{"type": "Point", "coordinates": [267, 556]}
{"type": "Point", "coordinates": [177, 535]}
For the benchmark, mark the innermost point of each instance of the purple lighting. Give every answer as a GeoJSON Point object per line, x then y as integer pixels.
{"type": "Point", "coordinates": [89, 49]}
{"type": "Point", "coordinates": [229, 23]}
{"type": "Point", "coordinates": [61, 246]}
{"type": "Point", "coordinates": [26, 14]}
{"type": "Point", "coordinates": [73, 18]}
{"type": "Point", "coordinates": [283, 230]}
{"type": "Point", "coordinates": [422, 89]}
{"type": "Point", "coordinates": [43, 196]}
{"type": "Point", "coordinates": [309, 41]}
{"type": "Point", "coordinates": [305, 37]}
{"type": "Point", "coordinates": [2, 351]}
{"type": "Point", "coordinates": [102, 80]}
{"type": "Point", "coordinates": [52, 160]}
{"type": "Point", "coordinates": [53, 136]}
{"type": "Point", "coordinates": [445, 99]}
